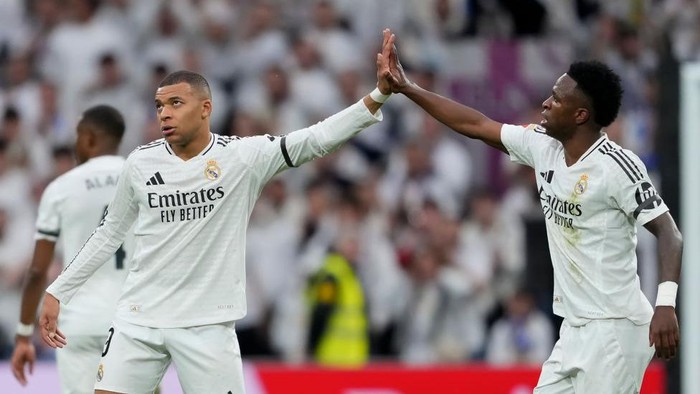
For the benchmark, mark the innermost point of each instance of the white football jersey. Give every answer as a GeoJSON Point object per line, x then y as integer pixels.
{"type": "Point", "coordinates": [191, 219]}
{"type": "Point", "coordinates": [71, 208]}
{"type": "Point", "coordinates": [591, 210]}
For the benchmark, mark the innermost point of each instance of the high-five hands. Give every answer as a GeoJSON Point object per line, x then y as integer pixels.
{"type": "Point", "coordinates": [389, 67]}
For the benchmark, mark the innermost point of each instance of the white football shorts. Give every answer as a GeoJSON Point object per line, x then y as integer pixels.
{"type": "Point", "coordinates": [604, 356]}
{"type": "Point", "coordinates": [207, 359]}
{"type": "Point", "coordinates": [77, 363]}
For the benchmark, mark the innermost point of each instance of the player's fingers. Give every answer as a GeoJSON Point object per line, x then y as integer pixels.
{"type": "Point", "coordinates": [665, 346]}
{"type": "Point", "coordinates": [50, 339]}
{"type": "Point", "coordinates": [388, 43]}
{"type": "Point", "coordinates": [18, 370]}
{"type": "Point", "coordinates": [59, 340]}
{"type": "Point", "coordinates": [19, 376]}
{"type": "Point", "coordinates": [672, 344]}
{"type": "Point", "coordinates": [61, 335]}
{"type": "Point", "coordinates": [45, 335]}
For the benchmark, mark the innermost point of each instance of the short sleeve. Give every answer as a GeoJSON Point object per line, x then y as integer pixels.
{"type": "Point", "coordinates": [48, 223]}
{"type": "Point", "coordinates": [632, 189]}
{"type": "Point", "coordinates": [524, 143]}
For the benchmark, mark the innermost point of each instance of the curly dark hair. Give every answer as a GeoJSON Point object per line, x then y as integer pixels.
{"type": "Point", "coordinates": [106, 119]}
{"type": "Point", "coordinates": [602, 87]}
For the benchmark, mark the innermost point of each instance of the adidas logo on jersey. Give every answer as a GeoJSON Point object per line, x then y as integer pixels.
{"type": "Point", "coordinates": [548, 175]}
{"type": "Point", "coordinates": [156, 179]}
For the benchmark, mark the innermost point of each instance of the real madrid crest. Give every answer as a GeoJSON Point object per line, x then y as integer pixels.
{"type": "Point", "coordinates": [581, 185]}
{"type": "Point", "coordinates": [213, 171]}
{"type": "Point", "coordinates": [100, 373]}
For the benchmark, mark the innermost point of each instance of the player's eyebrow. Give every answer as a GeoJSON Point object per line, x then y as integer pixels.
{"type": "Point", "coordinates": [555, 95]}
{"type": "Point", "coordinates": [169, 99]}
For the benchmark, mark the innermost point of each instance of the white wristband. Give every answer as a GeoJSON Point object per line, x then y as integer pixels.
{"type": "Point", "coordinates": [378, 96]}
{"type": "Point", "coordinates": [666, 295]}
{"type": "Point", "coordinates": [25, 330]}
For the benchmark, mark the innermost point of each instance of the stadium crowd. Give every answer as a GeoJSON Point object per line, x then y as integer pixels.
{"type": "Point", "coordinates": [446, 237]}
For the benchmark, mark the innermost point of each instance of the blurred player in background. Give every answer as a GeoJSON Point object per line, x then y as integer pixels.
{"type": "Point", "coordinates": [592, 192]}
{"type": "Point", "coordinates": [71, 207]}
{"type": "Point", "coordinates": [190, 194]}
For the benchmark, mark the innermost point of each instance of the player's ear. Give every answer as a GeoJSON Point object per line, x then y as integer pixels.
{"type": "Point", "coordinates": [206, 108]}
{"type": "Point", "coordinates": [582, 115]}
{"type": "Point", "coordinates": [91, 137]}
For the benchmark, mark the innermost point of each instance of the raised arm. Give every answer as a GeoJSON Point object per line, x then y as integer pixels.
{"type": "Point", "coordinates": [274, 154]}
{"type": "Point", "coordinates": [460, 118]}
{"type": "Point", "coordinates": [664, 332]}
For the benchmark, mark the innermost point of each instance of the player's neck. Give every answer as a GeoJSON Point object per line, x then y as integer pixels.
{"type": "Point", "coordinates": [193, 147]}
{"type": "Point", "coordinates": [579, 144]}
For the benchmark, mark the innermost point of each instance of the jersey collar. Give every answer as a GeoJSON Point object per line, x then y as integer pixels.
{"type": "Point", "coordinates": [593, 147]}
{"type": "Point", "coordinates": [212, 140]}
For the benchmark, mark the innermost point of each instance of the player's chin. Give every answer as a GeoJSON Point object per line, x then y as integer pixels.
{"type": "Point", "coordinates": [171, 138]}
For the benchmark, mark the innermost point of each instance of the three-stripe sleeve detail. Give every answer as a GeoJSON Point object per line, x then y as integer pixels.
{"type": "Point", "coordinates": [627, 165]}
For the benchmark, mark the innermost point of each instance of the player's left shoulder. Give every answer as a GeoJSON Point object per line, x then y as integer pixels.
{"type": "Point", "coordinates": [621, 162]}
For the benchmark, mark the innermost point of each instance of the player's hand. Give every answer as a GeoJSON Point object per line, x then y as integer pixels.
{"type": "Point", "coordinates": [664, 333]}
{"type": "Point", "coordinates": [389, 66]}
{"type": "Point", "coordinates": [383, 73]}
{"type": "Point", "coordinates": [24, 354]}
{"type": "Point", "coordinates": [50, 333]}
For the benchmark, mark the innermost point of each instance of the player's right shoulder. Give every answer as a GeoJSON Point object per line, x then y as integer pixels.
{"type": "Point", "coordinates": [151, 145]}
{"type": "Point", "coordinates": [150, 149]}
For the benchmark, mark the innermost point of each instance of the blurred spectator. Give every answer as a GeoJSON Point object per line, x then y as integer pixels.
{"type": "Point", "coordinates": [22, 150]}
{"type": "Point", "coordinates": [316, 231]}
{"type": "Point", "coordinates": [261, 44]}
{"type": "Point", "coordinates": [270, 101]}
{"type": "Point", "coordinates": [71, 57]}
{"type": "Point", "coordinates": [338, 329]}
{"type": "Point", "coordinates": [308, 74]}
{"type": "Point", "coordinates": [439, 323]}
{"type": "Point", "coordinates": [277, 215]}
{"type": "Point", "coordinates": [112, 86]}
{"type": "Point", "coordinates": [338, 48]}
{"type": "Point", "coordinates": [491, 252]}
{"type": "Point", "coordinates": [53, 124]}
{"type": "Point", "coordinates": [216, 44]}
{"type": "Point", "coordinates": [16, 227]}
{"type": "Point", "coordinates": [682, 18]}
{"type": "Point", "coordinates": [523, 336]}
{"type": "Point", "coordinates": [22, 89]}
{"type": "Point", "coordinates": [442, 19]}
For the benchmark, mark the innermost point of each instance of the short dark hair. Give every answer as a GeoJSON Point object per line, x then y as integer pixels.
{"type": "Point", "coordinates": [602, 87]}
{"type": "Point", "coordinates": [195, 80]}
{"type": "Point", "coordinates": [106, 119]}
